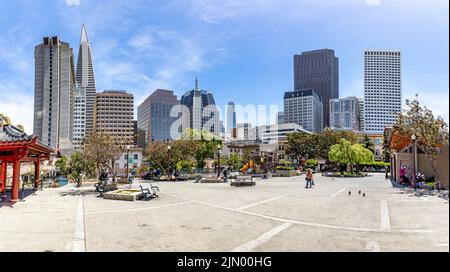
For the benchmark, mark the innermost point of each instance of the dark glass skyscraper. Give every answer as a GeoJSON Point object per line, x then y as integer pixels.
{"type": "Point", "coordinates": [203, 112]}
{"type": "Point", "coordinates": [154, 116]}
{"type": "Point", "coordinates": [318, 70]}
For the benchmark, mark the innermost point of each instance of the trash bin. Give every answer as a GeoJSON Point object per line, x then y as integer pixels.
{"type": "Point", "coordinates": [62, 181]}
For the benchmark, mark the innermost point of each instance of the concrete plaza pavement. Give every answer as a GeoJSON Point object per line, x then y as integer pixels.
{"type": "Point", "coordinates": [277, 215]}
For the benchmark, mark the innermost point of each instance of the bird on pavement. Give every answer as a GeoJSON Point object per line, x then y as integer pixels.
{"type": "Point", "coordinates": [349, 193]}
{"type": "Point", "coordinates": [359, 192]}
{"type": "Point", "coordinates": [364, 195]}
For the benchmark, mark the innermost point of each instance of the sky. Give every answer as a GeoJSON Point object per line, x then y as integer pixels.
{"type": "Point", "coordinates": [242, 51]}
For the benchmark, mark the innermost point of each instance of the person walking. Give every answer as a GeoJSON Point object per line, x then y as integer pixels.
{"type": "Point", "coordinates": [130, 179]}
{"type": "Point", "coordinates": [309, 179]}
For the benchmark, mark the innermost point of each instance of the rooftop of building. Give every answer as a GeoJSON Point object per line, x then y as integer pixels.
{"type": "Point", "coordinates": [317, 51]}
{"type": "Point", "coordinates": [114, 93]}
{"type": "Point", "coordinates": [301, 93]}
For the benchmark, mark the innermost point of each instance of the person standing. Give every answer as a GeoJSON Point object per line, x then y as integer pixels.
{"type": "Point", "coordinates": [130, 179]}
{"type": "Point", "coordinates": [309, 179]}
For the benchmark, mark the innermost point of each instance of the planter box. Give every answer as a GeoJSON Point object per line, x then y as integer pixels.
{"type": "Point", "coordinates": [287, 173]}
{"type": "Point", "coordinates": [126, 195]}
{"type": "Point", "coordinates": [211, 180]}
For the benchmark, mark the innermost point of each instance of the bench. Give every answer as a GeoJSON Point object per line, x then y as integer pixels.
{"type": "Point", "coordinates": [104, 187]}
{"type": "Point", "coordinates": [148, 194]}
{"type": "Point", "coordinates": [243, 181]}
{"type": "Point", "coordinates": [155, 188]}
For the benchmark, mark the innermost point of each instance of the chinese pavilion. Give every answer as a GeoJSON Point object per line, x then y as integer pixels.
{"type": "Point", "coordinates": [17, 147]}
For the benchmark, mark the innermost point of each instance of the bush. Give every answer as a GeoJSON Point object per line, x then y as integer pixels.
{"type": "Point", "coordinates": [376, 164]}
{"type": "Point", "coordinates": [312, 163]}
{"type": "Point", "coordinates": [282, 167]}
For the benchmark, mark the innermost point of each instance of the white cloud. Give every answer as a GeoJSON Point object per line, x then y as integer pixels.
{"type": "Point", "coordinates": [141, 42]}
{"type": "Point", "coordinates": [73, 2]}
{"type": "Point", "coordinates": [373, 2]}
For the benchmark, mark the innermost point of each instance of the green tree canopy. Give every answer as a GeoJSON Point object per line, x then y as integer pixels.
{"type": "Point", "coordinates": [78, 166]}
{"type": "Point", "coordinates": [168, 155]}
{"type": "Point", "coordinates": [350, 154]}
{"type": "Point", "coordinates": [316, 146]}
{"type": "Point", "coordinates": [206, 144]}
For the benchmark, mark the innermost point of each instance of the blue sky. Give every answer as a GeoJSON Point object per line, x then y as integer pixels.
{"type": "Point", "coordinates": [241, 50]}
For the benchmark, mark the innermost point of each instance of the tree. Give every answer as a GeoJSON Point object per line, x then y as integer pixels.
{"type": "Point", "coordinates": [186, 165]}
{"type": "Point", "coordinates": [315, 146]}
{"type": "Point", "coordinates": [103, 150]}
{"type": "Point", "coordinates": [302, 145]}
{"type": "Point", "coordinates": [166, 156]}
{"type": "Point", "coordinates": [368, 143]}
{"type": "Point", "coordinates": [386, 149]}
{"type": "Point", "coordinates": [235, 161]}
{"type": "Point", "coordinates": [206, 144]}
{"type": "Point", "coordinates": [431, 131]}
{"type": "Point", "coordinates": [350, 154]}
{"type": "Point", "coordinates": [78, 166]}
{"type": "Point", "coordinates": [61, 164]}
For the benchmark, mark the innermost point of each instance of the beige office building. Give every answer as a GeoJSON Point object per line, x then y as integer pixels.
{"type": "Point", "coordinates": [114, 112]}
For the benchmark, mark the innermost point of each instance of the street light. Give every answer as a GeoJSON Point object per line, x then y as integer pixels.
{"type": "Point", "coordinates": [218, 159]}
{"type": "Point", "coordinates": [413, 179]}
{"type": "Point", "coordinates": [128, 159]}
{"type": "Point", "coordinates": [169, 148]}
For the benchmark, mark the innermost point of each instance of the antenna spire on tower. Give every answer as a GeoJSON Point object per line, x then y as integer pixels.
{"type": "Point", "coordinates": [84, 37]}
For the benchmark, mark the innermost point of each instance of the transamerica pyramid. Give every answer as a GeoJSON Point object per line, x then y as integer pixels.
{"type": "Point", "coordinates": [85, 78]}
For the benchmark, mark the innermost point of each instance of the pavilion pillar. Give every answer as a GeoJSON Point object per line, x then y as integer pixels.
{"type": "Point", "coordinates": [3, 171]}
{"type": "Point", "coordinates": [37, 174]}
{"type": "Point", "coordinates": [16, 181]}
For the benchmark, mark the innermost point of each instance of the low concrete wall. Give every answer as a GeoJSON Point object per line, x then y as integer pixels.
{"type": "Point", "coordinates": [424, 165]}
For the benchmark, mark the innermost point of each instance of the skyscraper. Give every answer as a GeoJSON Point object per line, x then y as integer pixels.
{"type": "Point", "coordinates": [382, 89]}
{"type": "Point", "coordinates": [345, 114]}
{"type": "Point", "coordinates": [79, 118]}
{"type": "Point", "coordinates": [230, 119]}
{"type": "Point", "coordinates": [305, 108]}
{"type": "Point", "coordinates": [361, 113]}
{"type": "Point", "coordinates": [85, 78]}
{"type": "Point", "coordinates": [114, 112]}
{"type": "Point", "coordinates": [154, 116]}
{"type": "Point", "coordinates": [53, 93]}
{"type": "Point", "coordinates": [318, 70]}
{"type": "Point", "coordinates": [203, 112]}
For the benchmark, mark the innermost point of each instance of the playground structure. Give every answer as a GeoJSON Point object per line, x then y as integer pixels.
{"type": "Point", "coordinates": [249, 166]}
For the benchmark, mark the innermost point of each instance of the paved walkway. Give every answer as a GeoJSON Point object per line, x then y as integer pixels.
{"type": "Point", "coordinates": [276, 215]}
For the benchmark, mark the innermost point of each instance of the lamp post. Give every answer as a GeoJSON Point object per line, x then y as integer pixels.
{"type": "Point", "coordinates": [128, 159]}
{"type": "Point", "coordinates": [218, 159]}
{"type": "Point", "coordinates": [169, 148]}
{"type": "Point", "coordinates": [414, 151]}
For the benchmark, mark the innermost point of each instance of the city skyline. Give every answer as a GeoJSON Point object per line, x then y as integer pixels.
{"type": "Point", "coordinates": [231, 66]}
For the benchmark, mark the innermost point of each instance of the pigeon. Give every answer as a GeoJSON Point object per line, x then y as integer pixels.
{"type": "Point", "coordinates": [349, 193]}
{"type": "Point", "coordinates": [364, 195]}
{"type": "Point", "coordinates": [359, 192]}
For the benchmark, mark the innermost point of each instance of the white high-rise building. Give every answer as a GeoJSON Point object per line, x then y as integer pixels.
{"type": "Point", "coordinates": [79, 118]}
{"type": "Point", "coordinates": [361, 113]}
{"type": "Point", "coordinates": [345, 114]}
{"type": "Point", "coordinates": [382, 89]}
{"type": "Point", "coordinates": [305, 108]}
